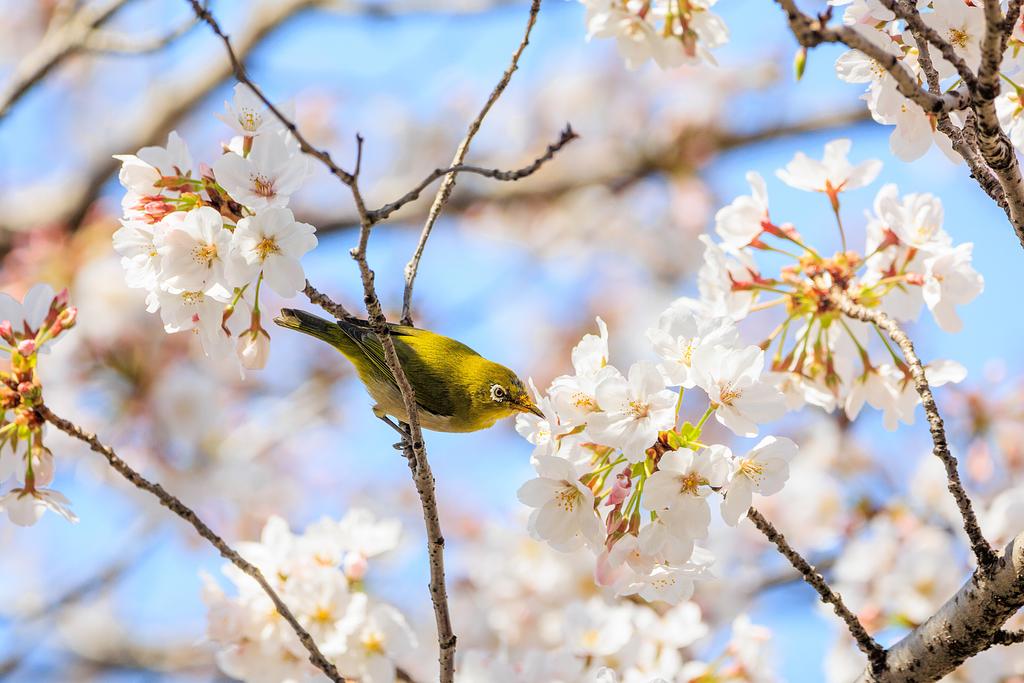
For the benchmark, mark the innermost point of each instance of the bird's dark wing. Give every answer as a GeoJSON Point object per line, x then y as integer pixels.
{"type": "Point", "coordinates": [427, 358]}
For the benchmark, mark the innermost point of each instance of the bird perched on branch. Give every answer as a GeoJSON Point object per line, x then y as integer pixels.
{"type": "Point", "coordinates": [457, 389]}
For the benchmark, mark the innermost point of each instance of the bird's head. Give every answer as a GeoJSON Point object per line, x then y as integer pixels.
{"type": "Point", "coordinates": [498, 392]}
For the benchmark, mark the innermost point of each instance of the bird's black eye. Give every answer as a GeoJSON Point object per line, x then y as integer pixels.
{"type": "Point", "coordinates": [498, 393]}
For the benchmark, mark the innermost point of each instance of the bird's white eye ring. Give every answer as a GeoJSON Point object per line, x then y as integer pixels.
{"type": "Point", "coordinates": [497, 393]}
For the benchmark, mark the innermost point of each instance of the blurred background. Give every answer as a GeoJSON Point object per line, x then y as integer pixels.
{"type": "Point", "coordinates": [516, 270]}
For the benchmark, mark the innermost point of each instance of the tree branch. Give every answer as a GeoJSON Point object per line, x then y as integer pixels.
{"type": "Point", "coordinates": [811, 32]}
{"type": "Point", "coordinates": [983, 552]}
{"type": "Point", "coordinates": [60, 42]}
{"type": "Point", "coordinates": [566, 136]}
{"type": "Point", "coordinates": [968, 623]}
{"type": "Point", "coordinates": [186, 513]}
{"type": "Point", "coordinates": [448, 184]}
{"type": "Point", "coordinates": [868, 645]}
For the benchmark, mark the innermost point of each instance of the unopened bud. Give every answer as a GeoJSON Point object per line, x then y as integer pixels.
{"type": "Point", "coordinates": [800, 63]}
{"type": "Point", "coordinates": [67, 318]}
{"type": "Point", "coordinates": [7, 332]}
{"type": "Point", "coordinates": [354, 565]}
{"type": "Point", "coordinates": [27, 347]}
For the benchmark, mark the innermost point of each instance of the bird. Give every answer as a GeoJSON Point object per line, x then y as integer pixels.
{"type": "Point", "coordinates": [457, 389]}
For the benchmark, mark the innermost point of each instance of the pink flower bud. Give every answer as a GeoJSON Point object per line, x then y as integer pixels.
{"type": "Point", "coordinates": [354, 565]}
{"type": "Point", "coordinates": [25, 387]}
{"type": "Point", "coordinates": [27, 347]}
{"type": "Point", "coordinates": [7, 332]}
{"type": "Point", "coordinates": [620, 488]}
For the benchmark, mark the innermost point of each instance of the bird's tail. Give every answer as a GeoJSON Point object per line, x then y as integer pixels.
{"type": "Point", "coordinates": [314, 326]}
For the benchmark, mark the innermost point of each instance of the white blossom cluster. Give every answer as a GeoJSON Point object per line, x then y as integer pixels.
{"type": "Point", "coordinates": [671, 32]}
{"type": "Point", "coordinates": [27, 327]}
{"type": "Point", "coordinates": [537, 620]}
{"type": "Point", "coordinates": [621, 474]}
{"type": "Point", "coordinates": [319, 575]}
{"type": "Point", "coordinates": [202, 241]}
{"type": "Point", "coordinates": [821, 357]}
{"type": "Point", "coordinates": [619, 471]}
{"type": "Point", "coordinates": [959, 23]}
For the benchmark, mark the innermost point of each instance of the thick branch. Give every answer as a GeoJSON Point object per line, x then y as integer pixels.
{"type": "Point", "coordinates": [445, 190]}
{"type": "Point", "coordinates": [969, 622]}
{"type": "Point", "coordinates": [186, 513]}
{"type": "Point", "coordinates": [811, 32]}
{"type": "Point", "coordinates": [983, 552]}
{"type": "Point", "coordinates": [867, 644]}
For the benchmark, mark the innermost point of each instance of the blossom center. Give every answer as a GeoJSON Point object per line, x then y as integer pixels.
{"type": "Point", "coordinates": [690, 483]}
{"type": "Point", "coordinates": [192, 298]}
{"type": "Point", "coordinates": [373, 641]}
{"type": "Point", "coordinates": [663, 582]}
{"type": "Point", "coordinates": [249, 120]}
{"type": "Point", "coordinates": [262, 185]}
{"type": "Point", "coordinates": [205, 254]}
{"type": "Point", "coordinates": [959, 37]}
{"type": "Point", "coordinates": [728, 394]}
{"type": "Point", "coordinates": [752, 469]}
{"type": "Point", "coordinates": [584, 401]}
{"type": "Point", "coordinates": [266, 247]}
{"type": "Point", "coordinates": [638, 409]}
{"type": "Point", "coordinates": [567, 498]}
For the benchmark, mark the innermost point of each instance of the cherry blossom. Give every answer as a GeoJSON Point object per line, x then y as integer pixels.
{"type": "Point", "coordinates": [267, 177]}
{"type": "Point", "coordinates": [271, 242]}
{"type": "Point", "coordinates": [633, 411]}
{"type": "Point", "coordinates": [763, 470]}
{"type": "Point", "coordinates": [564, 507]}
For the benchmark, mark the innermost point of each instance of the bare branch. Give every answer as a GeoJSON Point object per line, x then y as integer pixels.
{"type": "Point", "coordinates": [66, 36]}
{"type": "Point", "coordinates": [108, 42]}
{"type": "Point", "coordinates": [325, 302]}
{"type": "Point", "coordinates": [448, 184]}
{"type": "Point", "coordinates": [983, 552]}
{"type": "Point", "coordinates": [567, 136]}
{"type": "Point", "coordinates": [175, 505]}
{"type": "Point", "coordinates": [868, 645]}
{"type": "Point", "coordinates": [969, 622]}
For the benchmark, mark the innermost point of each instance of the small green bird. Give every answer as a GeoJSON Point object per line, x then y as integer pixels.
{"type": "Point", "coordinates": [457, 389]}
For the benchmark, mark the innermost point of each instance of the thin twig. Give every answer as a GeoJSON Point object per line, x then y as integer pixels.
{"type": "Point", "coordinates": [567, 135]}
{"type": "Point", "coordinates": [868, 645]}
{"type": "Point", "coordinates": [175, 505]}
{"type": "Point", "coordinates": [325, 302]}
{"type": "Point", "coordinates": [983, 552]}
{"type": "Point", "coordinates": [240, 73]}
{"type": "Point", "coordinates": [445, 190]}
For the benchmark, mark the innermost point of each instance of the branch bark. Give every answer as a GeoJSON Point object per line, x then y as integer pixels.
{"type": "Point", "coordinates": [983, 552]}
{"type": "Point", "coordinates": [175, 505]}
{"type": "Point", "coordinates": [868, 645]}
{"type": "Point", "coordinates": [968, 623]}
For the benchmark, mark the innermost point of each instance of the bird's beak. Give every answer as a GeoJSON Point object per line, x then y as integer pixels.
{"type": "Point", "coordinates": [527, 406]}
